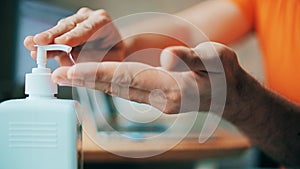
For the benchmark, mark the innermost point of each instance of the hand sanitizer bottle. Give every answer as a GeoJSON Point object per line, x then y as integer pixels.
{"type": "Point", "coordinates": [40, 131]}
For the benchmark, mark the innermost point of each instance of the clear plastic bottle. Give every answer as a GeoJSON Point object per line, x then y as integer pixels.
{"type": "Point", "coordinates": [40, 131]}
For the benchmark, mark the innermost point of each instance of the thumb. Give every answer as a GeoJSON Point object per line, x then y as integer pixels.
{"type": "Point", "coordinates": [180, 58]}
{"type": "Point", "coordinates": [60, 77]}
{"type": "Point", "coordinates": [205, 57]}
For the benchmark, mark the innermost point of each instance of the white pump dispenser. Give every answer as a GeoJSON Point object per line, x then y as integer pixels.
{"type": "Point", "coordinates": [40, 131]}
{"type": "Point", "coordinates": [39, 83]}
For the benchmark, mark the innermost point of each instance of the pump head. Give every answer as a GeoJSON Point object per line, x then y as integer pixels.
{"type": "Point", "coordinates": [39, 83]}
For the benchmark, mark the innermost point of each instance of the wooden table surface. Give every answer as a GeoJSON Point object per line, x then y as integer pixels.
{"type": "Point", "coordinates": [224, 143]}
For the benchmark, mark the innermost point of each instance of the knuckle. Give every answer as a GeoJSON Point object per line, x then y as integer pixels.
{"type": "Point", "coordinates": [99, 74]}
{"type": "Point", "coordinates": [88, 26]}
{"type": "Point", "coordinates": [174, 97]}
{"type": "Point", "coordinates": [68, 22]}
{"type": "Point", "coordinates": [101, 16]}
{"type": "Point", "coordinates": [62, 21]}
{"type": "Point", "coordinates": [101, 12]}
{"type": "Point", "coordinates": [100, 21]}
{"type": "Point", "coordinates": [124, 79]}
{"type": "Point", "coordinates": [227, 55]}
{"type": "Point", "coordinates": [105, 19]}
{"type": "Point", "coordinates": [122, 75]}
{"type": "Point", "coordinates": [70, 25]}
{"type": "Point", "coordinates": [84, 10]}
{"type": "Point", "coordinates": [134, 82]}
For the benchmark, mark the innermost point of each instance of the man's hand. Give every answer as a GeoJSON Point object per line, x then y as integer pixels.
{"type": "Point", "coordinates": [270, 121]}
{"type": "Point", "coordinates": [182, 78]}
{"type": "Point", "coordinates": [93, 29]}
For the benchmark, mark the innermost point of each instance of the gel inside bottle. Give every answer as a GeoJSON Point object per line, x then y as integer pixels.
{"type": "Point", "coordinates": [40, 131]}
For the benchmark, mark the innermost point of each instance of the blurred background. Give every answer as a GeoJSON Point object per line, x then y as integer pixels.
{"type": "Point", "coordinates": [20, 18]}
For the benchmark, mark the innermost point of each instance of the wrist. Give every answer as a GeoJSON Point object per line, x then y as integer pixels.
{"type": "Point", "coordinates": [244, 99]}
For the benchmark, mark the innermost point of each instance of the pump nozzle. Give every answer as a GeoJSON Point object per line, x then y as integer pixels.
{"type": "Point", "coordinates": [39, 81]}
{"type": "Point", "coordinates": [41, 59]}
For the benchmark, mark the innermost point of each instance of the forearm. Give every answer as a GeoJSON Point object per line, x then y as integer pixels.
{"type": "Point", "coordinates": [150, 40]}
{"type": "Point", "coordinates": [214, 20]}
{"type": "Point", "coordinates": [270, 121]}
{"type": "Point", "coordinates": [220, 21]}
{"type": "Point", "coordinates": [144, 40]}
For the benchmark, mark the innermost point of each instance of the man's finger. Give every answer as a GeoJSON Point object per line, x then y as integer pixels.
{"type": "Point", "coordinates": [29, 43]}
{"type": "Point", "coordinates": [33, 54]}
{"type": "Point", "coordinates": [93, 71]}
{"type": "Point", "coordinates": [127, 74]}
{"type": "Point", "coordinates": [59, 76]}
{"type": "Point", "coordinates": [131, 74]}
{"type": "Point", "coordinates": [84, 30]}
{"type": "Point", "coordinates": [129, 80]}
{"type": "Point", "coordinates": [154, 97]}
{"type": "Point", "coordinates": [62, 27]}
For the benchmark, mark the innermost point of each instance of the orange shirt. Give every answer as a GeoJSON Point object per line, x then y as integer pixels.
{"type": "Point", "coordinates": [277, 25]}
